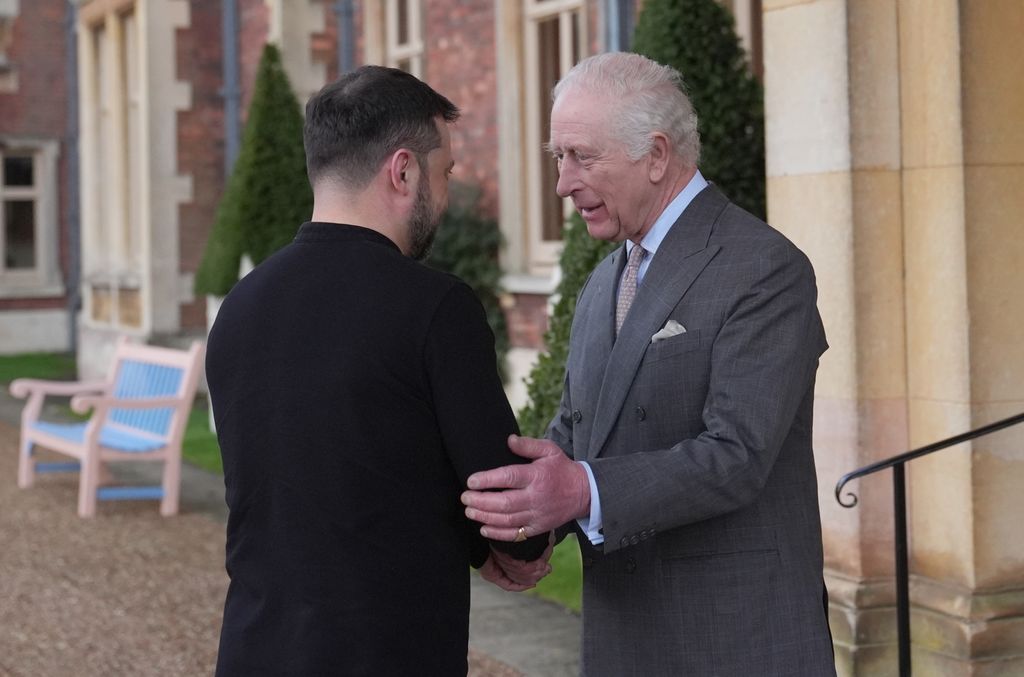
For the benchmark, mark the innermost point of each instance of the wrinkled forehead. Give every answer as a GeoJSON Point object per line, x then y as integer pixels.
{"type": "Point", "coordinates": [581, 117]}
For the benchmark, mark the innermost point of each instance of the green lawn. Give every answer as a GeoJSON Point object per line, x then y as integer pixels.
{"type": "Point", "coordinates": [200, 446]}
{"type": "Point", "coordinates": [52, 366]}
{"type": "Point", "coordinates": [563, 584]}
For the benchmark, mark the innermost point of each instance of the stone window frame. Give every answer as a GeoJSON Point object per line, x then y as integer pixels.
{"type": "Point", "coordinates": [385, 44]}
{"type": "Point", "coordinates": [113, 239]}
{"type": "Point", "coordinates": [44, 278]}
{"type": "Point", "coordinates": [130, 176]}
{"type": "Point", "coordinates": [524, 110]}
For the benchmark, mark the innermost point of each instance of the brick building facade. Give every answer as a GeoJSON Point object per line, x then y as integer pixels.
{"type": "Point", "coordinates": [151, 78]}
{"type": "Point", "coordinates": [34, 151]}
{"type": "Point", "coordinates": [910, 216]}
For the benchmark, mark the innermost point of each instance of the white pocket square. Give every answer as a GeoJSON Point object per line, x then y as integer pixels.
{"type": "Point", "coordinates": [671, 328]}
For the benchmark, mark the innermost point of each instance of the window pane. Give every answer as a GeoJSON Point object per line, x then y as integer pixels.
{"type": "Point", "coordinates": [19, 235]}
{"type": "Point", "coordinates": [18, 170]}
{"type": "Point", "coordinates": [404, 65]}
{"type": "Point", "coordinates": [548, 60]}
{"type": "Point", "coordinates": [102, 304]}
{"type": "Point", "coordinates": [129, 307]}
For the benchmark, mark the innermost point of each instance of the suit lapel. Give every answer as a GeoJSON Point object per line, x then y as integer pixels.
{"type": "Point", "coordinates": [683, 254]}
{"type": "Point", "coordinates": [593, 335]}
{"type": "Point", "coordinates": [606, 280]}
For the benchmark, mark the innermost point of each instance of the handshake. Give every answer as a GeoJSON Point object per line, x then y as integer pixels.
{"type": "Point", "coordinates": [534, 498]}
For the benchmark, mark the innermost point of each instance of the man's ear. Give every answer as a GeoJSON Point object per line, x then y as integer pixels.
{"type": "Point", "coordinates": [658, 157]}
{"type": "Point", "coordinates": [402, 171]}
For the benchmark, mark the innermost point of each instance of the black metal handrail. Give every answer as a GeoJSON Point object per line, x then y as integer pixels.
{"type": "Point", "coordinates": [899, 498]}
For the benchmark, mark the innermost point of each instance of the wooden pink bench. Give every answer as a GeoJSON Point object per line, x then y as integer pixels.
{"type": "Point", "coordinates": [139, 413]}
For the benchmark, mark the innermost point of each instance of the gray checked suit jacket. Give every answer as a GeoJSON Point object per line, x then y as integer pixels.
{"type": "Point", "coordinates": [700, 445]}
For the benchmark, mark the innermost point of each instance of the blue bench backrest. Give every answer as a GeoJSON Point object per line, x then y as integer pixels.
{"type": "Point", "coordinates": [140, 379]}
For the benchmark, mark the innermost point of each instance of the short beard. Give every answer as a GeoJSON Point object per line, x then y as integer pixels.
{"type": "Point", "coordinates": [423, 222]}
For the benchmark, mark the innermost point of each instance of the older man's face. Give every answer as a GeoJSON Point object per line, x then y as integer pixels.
{"type": "Point", "coordinates": [612, 193]}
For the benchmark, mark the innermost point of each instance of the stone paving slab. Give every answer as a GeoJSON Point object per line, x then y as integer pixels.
{"type": "Point", "coordinates": [538, 637]}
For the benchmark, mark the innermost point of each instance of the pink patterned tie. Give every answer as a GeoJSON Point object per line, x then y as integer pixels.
{"type": "Point", "coordinates": [627, 289]}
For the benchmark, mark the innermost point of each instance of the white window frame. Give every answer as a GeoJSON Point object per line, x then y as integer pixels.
{"type": "Point", "coordinates": [382, 45]}
{"type": "Point", "coordinates": [528, 259]}
{"type": "Point", "coordinates": [114, 223]}
{"type": "Point", "coordinates": [396, 52]}
{"type": "Point", "coordinates": [544, 253]}
{"type": "Point", "coordinates": [44, 278]}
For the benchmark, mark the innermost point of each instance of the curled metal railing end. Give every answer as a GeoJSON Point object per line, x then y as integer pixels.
{"type": "Point", "coordinates": [850, 496]}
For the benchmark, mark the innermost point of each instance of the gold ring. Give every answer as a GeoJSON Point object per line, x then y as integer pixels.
{"type": "Point", "coordinates": [520, 535]}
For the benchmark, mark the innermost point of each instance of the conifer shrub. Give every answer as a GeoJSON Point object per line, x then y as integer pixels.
{"type": "Point", "coordinates": [698, 38]}
{"type": "Point", "coordinates": [580, 255]}
{"type": "Point", "coordinates": [268, 195]}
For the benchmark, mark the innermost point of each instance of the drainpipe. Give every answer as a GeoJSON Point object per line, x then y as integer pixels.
{"type": "Point", "coordinates": [618, 24]}
{"type": "Point", "coordinates": [73, 282]}
{"type": "Point", "coordinates": [231, 92]}
{"type": "Point", "coordinates": [611, 25]}
{"type": "Point", "coordinates": [345, 11]}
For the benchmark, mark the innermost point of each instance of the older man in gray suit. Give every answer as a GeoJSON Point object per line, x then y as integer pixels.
{"type": "Point", "coordinates": [682, 448]}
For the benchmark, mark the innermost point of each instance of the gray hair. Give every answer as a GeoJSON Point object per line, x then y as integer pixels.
{"type": "Point", "coordinates": [647, 97]}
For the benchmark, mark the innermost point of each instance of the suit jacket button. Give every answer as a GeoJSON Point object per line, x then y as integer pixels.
{"type": "Point", "coordinates": [624, 541]}
{"type": "Point", "coordinates": [630, 565]}
{"type": "Point", "coordinates": [577, 416]}
{"type": "Point", "coordinates": [640, 413]}
{"type": "Point", "coordinates": [634, 539]}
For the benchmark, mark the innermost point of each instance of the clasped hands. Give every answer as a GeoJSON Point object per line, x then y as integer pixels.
{"type": "Point", "coordinates": [538, 496]}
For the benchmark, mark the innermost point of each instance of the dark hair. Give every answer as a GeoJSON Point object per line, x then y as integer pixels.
{"type": "Point", "coordinates": [354, 123]}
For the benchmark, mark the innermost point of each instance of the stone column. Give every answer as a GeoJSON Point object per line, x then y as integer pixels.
{"type": "Point", "coordinates": [163, 189]}
{"type": "Point", "coordinates": [964, 188]}
{"type": "Point", "coordinates": [896, 161]}
{"type": "Point", "coordinates": [833, 158]}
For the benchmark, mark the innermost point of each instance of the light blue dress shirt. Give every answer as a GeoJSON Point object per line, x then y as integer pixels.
{"type": "Point", "coordinates": [591, 526]}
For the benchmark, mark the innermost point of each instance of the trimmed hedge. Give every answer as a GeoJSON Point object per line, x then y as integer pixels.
{"type": "Point", "coordinates": [268, 195]}
{"type": "Point", "coordinates": [698, 38]}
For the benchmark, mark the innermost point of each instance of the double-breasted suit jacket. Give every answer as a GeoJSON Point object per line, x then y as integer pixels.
{"type": "Point", "coordinates": [700, 445]}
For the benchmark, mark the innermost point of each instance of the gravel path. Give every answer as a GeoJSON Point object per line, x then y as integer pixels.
{"type": "Point", "coordinates": [126, 593]}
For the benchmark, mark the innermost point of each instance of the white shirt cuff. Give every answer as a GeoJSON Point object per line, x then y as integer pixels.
{"type": "Point", "coordinates": [591, 526]}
